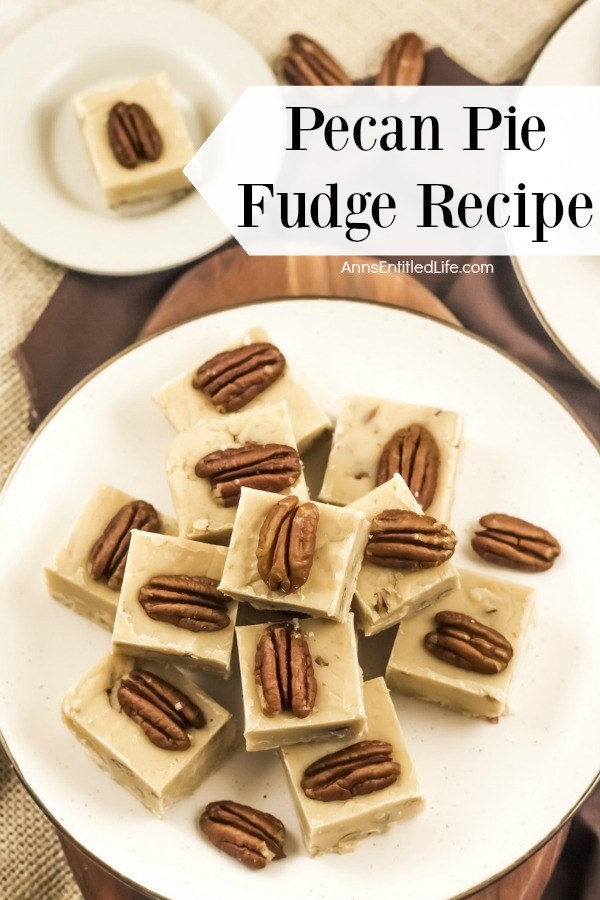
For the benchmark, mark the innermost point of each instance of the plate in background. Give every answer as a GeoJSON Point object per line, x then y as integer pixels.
{"type": "Point", "coordinates": [564, 291]}
{"type": "Point", "coordinates": [493, 792]}
{"type": "Point", "coordinates": [50, 201]}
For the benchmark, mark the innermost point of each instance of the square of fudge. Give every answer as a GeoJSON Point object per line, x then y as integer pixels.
{"type": "Point", "coordinates": [156, 776]}
{"type": "Point", "coordinates": [68, 578]}
{"type": "Point", "coordinates": [149, 178]}
{"type": "Point", "coordinates": [184, 405]}
{"type": "Point", "coordinates": [384, 596]}
{"type": "Point", "coordinates": [363, 428]}
{"type": "Point", "coordinates": [336, 826]}
{"type": "Point", "coordinates": [412, 669]}
{"type": "Point", "coordinates": [339, 546]}
{"type": "Point", "coordinates": [200, 511]}
{"type": "Point", "coordinates": [170, 562]}
{"type": "Point", "coordinates": [339, 709]}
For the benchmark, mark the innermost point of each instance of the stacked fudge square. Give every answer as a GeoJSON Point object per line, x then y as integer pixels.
{"type": "Point", "coordinates": [373, 552]}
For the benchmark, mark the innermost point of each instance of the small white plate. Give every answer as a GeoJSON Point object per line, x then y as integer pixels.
{"type": "Point", "coordinates": [493, 792]}
{"type": "Point", "coordinates": [49, 198]}
{"type": "Point", "coordinates": [564, 290]}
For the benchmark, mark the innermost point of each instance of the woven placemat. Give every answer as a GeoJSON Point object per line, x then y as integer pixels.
{"type": "Point", "coordinates": [496, 40]}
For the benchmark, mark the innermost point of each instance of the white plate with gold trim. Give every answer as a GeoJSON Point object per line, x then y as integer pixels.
{"type": "Point", "coordinates": [493, 792]}
{"type": "Point", "coordinates": [51, 201]}
{"type": "Point", "coordinates": [564, 290]}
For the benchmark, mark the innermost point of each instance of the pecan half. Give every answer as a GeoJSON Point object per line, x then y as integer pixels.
{"type": "Point", "coordinates": [286, 544]}
{"type": "Point", "coordinates": [403, 63]}
{"type": "Point", "coordinates": [468, 644]}
{"type": "Point", "coordinates": [109, 554]}
{"type": "Point", "coordinates": [252, 837]}
{"type": "Point", "coordinates": [413, 453]}
{"type": "Point", "coordinates": [308, 62]}
{"type": "Point", "coordinates": [231, 379]}
{"type": "Point", "coordinates": [192, 602]}
{"type": "Point", "coordinates": [162, 711]}
{"type": "Point", "coordinates": [403, 539]}
{"type": "Point", "coordinates": [132, 135]}
{"type": "Point", "coordinates": [361, 768]}
{"type": "Point", "coordinates": [265, 467]}
{"type": "Point", "coordinates": [508, 541]}
{"type": "Point", "coordinates": [283, 671]}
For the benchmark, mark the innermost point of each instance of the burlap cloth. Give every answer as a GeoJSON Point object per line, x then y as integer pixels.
{"type": "Point", "coordinates": [495, 39]}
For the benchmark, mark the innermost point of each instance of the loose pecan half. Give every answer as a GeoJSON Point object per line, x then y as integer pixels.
{"type": "Point", "coordinates": [308, 62]}
{"type": "Point", "coordinates": [286, 544]}
{"type": "Point", "coordinates": [162, 711]}
{"type": "Point", "coordinates": [231, 379]}
{"type": "Point", "coordinates": [508, 541]}
{"type": "Point", "coordinates": [132, 135]}
{"type": "Point", "coordinates": [362, 768]}
{"type": "Point", "coordinates": [413, 453]}
{"type": "Point", "coordinates": [283, 671]}
{"type": "Point", "coordinates": [403, 63]}
{"type": "Point", "coordinates": [265, 467]}
{"type": "Point", "coordinates": [109, 554]}
{"type": "Point", "coordinates": [402, 539]}
{"type": "Point", "coordinates": [468, 644]}
{"type": "Point", "coordinates": [252, 837]}
{"type": "Point", "coordinates": [192, 602]}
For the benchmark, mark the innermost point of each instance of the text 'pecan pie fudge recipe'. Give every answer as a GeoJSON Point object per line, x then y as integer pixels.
{"type": "Point", "coordinates": [376, 552]}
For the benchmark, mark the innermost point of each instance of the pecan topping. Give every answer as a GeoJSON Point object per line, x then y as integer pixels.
{"type": "Point", "coordinates": [402, 539]}
{"type": "Point", "coordinates": [132, 135]}
{"type": "Point", "coordinates": [308, 62]}
{"type": "Point", "coordinates": [283, 671]}
{"type": "Point", "coordinates": [162, 711]}
{"type": "Point", "coordinates": [413, 453]}
{"type": "Point", "coordinates": [252, 837]}
{"type": "Point", "coordinates": [233, 378]}
{"type": "Point", "coordinates": [286, 544]}
{"type": "Point", "coordinates": [513, 542]}
{"type": "Point", "coordinates": [265, 467]}
{"type": "Point", "coordinates": [468, 644]}
{"type": "Point", "coordinates": [361, 768]}
{"type": "Point", "coordinates": [404, 62]}
{"type": "Point", "coordinates": [192, 602]}
{"type": "Point", "coordinates": [109, 554]}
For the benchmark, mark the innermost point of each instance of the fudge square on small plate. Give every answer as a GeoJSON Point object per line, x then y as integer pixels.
{"type": "Point", "coordinates": [170, 606]}
{"type": "Point", "coordinates": [94, 709]}
{"type": "Point", "coordinates": [338, 710]}
{"type": "Point", "coordinates": [383, 596]}
{"type": "Point", "coordinates": [69, 577]}
{"type": "Point", "coordinates": [365, 428]}
{"type": "Point", "coordinates": [337, 825]}
{"type": "Point", "coordinates": [203, 512]}
{"type": "Point", "coordinates": [340, 540]}
{"type": "Point", "coordinates": [183, 404]}
{"type": "Point", "coordinates": [503, 606]}
{"type": "Point", "coordinates": [149, 178]}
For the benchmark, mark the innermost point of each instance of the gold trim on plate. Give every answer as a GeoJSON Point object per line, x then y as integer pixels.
{"type": "Point", "coordinates": [547, 327]}
{"type": "Point", "coordinates": [515, 259]}
{"type": "Point", "coordinates": [468, 334]}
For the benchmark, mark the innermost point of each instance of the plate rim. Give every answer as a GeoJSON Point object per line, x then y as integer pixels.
{"type": "Point", "coordinates": [564, 349]}
{"type": "Point", "coordinates": [557, 341]}
{"type": "Point", "coordinates": [64, 258]}
{"type": "Point", "coordinates": [62, 830]}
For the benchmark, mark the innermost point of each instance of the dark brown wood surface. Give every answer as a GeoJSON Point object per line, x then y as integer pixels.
{"type": "Point", "coordinates": [224, 279]}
